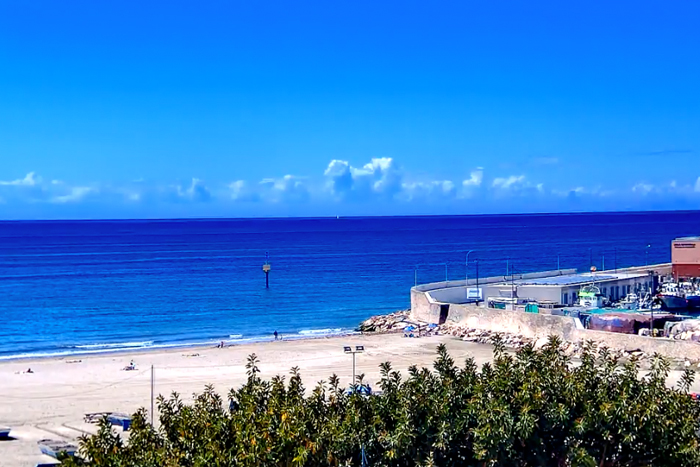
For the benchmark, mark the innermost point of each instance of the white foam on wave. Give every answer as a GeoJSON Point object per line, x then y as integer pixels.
{"type": "Point", "coordinates": [117, 345]}
{"type": "Point", "coordinates": [107, 348]}
{"type": "Point", "coordinates": [315, 332]}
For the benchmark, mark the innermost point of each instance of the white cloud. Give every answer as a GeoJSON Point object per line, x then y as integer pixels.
{"type": "Point", "coordinates": [516, 185]}
{"type": "Point", "coordinates": [340, 179]}
{"type": "Point", "coordinates": [476, 177]}
{"type": "Point", "coordinates": [196, 191]}
{"type": "Point", "coordinates": [288, 188]}
{"type": "Point", "coordinates": [643, 188]}
{"type": "Point", "coordinates": [436, 189]}
{"type": "Point", "coordinates": [77, 193]}
{"type": "Point", "coordinates": [241, 190]}
{"type": "Point", "coordinates": [380, 177]}
{"type": "Point", "coordinates": [508, 183]}
{"type": "Point", "coordinates": [29, 180]}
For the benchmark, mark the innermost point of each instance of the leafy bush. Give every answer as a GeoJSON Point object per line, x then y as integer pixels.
{"type": "Point", "coordinates": [531, 408]}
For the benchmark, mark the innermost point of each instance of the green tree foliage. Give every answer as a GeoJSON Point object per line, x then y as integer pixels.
{"type": "Point", "coordinates": [531, 408]}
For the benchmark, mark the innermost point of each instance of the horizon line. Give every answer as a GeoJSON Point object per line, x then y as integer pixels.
{"type": "Point", "coordinates": [408, 216]}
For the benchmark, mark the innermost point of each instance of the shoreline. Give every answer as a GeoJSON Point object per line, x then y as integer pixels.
{"type": "Point", "coordinates": [106, 350]}
{"type": "Point", "coordinates": [165, 348]}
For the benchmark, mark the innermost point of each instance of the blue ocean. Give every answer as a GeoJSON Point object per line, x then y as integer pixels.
{"type": "Point", "coordinates": [96, 286]}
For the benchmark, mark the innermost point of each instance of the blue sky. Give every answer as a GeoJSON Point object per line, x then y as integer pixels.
{"type": "Point", "coordinates": [189, 109]}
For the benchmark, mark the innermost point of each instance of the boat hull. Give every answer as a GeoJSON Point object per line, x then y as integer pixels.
{"type": "Point", "coordinates": [673, 302]}
{"type": "Point", "coordinates": [693, 302]}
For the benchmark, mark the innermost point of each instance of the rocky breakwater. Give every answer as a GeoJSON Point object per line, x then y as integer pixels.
{"type": "Point", "coordinates": [572, 349]}
{"type": "Point", "coordinates": [401, 321]}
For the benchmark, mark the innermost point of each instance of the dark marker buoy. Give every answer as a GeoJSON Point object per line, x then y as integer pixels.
{"type": "Point", "coordinates": [266, 269]}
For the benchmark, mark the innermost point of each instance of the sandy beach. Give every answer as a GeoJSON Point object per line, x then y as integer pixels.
{"type": "Point", "coordinates": [52, 401]}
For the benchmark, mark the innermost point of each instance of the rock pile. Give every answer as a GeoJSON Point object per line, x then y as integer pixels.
{"type": "Point", "coordinates": [401, 320]}
{"type": "Point", "coordinates": [515, 342]}
{"type": "Point", "coordinates": [393, 322]}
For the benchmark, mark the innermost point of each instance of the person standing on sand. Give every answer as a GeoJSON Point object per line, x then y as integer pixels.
{"type": "Point", "coordinates": [275, 335]}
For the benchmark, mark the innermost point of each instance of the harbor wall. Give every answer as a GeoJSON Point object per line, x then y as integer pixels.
{"type": "Point", "coordinates": [513, 322]}
{"type": "Point", "coordinates": [423, 307]}
{"type": "Point", "coordinates": [427, 298]}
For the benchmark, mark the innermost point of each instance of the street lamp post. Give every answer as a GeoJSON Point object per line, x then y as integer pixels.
{"type": "Point", "coordinates": [466, 268]}
{"type": "Point", "coordinates": [646, 255]}
{"type": "Point", "coordinates": [358, 349]}
{"type": "Point", "coordinates": [651, 287]}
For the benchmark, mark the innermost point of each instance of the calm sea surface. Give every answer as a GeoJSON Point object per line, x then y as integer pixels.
{"type": "Point", "coordinates": [89, 286]}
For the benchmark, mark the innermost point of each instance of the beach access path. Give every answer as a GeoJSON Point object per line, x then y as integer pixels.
{"type": "Point", "coordinates": [52, 401]}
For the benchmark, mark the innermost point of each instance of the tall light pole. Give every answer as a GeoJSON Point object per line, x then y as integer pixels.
{"type": "Point", "coordinates": [466, 268]}
{"type": "Point", "coordinates": [349, 350]}
{"type": "Point", "coordinates": [646, 255]}
{"type": "Point", "coordinates": [651, 287]}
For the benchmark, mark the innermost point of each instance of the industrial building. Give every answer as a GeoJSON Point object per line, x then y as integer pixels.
{"type": "Point", "coordinates": [558, 288]}
{"type": "Point", "coordinates": [685, 257]}
{"type": "Point", "coordinates": [564, 289]}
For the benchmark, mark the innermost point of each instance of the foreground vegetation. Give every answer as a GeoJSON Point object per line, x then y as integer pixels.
{"type": "Point", "coordinates": [528, 409]}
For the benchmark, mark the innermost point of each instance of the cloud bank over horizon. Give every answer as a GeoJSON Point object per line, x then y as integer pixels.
{"type": "Point", "coordinates": [379, 186]}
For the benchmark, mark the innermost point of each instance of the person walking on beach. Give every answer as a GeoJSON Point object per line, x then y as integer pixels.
{"type": "Point", "coordinates": [276, 335]}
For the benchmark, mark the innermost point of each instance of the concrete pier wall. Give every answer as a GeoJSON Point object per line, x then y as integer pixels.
{"type": "Point", "coordinates": [514, 322]}
{"type": "Point", "coordinates": [426, 298]}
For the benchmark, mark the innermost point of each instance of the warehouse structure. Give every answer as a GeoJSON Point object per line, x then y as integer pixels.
{"type": "Point", "coordinates": [564, 290]}
{"type": "Point", "coordinates": [685, 257]}
{"type": "Point", "coordinates": [431, 302]}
